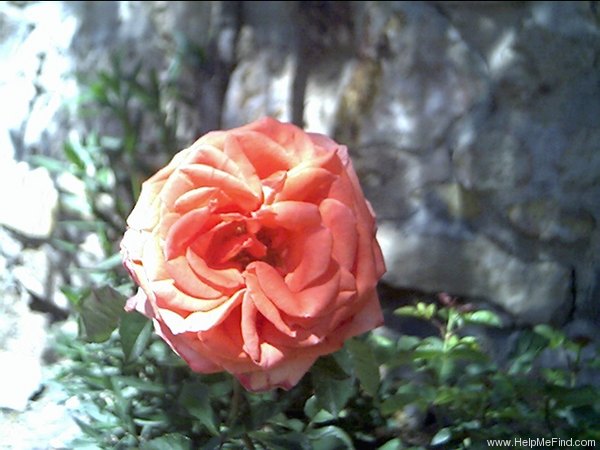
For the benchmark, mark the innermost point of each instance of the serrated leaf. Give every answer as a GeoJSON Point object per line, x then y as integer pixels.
{"type": "Point", "coordinates": [330, 438]}
{"type": "Point", "coordinates": [172, 441]}
{"type": "Point", "coordinates": [99, 313]}
{"type": "Point", "coordinates": [135, 332]}
{"type": "Point", "coordinates": [365, 365]}
{"type": "Point", "coordinates": [195, 398]}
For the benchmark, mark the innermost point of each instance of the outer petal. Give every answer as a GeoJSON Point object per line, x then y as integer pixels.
{"type": "Point", "coordinates": [186, 346]}
{"type": "Point", "coordinates": [200, 320]}
{"type": "Point", "coordinates": [284, 376]}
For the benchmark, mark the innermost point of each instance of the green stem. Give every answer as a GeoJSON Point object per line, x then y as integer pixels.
{"type": "Point", "coordinates": [248, 442]}
{"type": "Point", "coordinates": [235, 403]}
{"type": "Point", "coordinates": [236, 397]}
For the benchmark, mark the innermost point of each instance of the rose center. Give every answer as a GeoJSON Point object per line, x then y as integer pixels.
{"type": "Point", "coordinates": [238, 244]}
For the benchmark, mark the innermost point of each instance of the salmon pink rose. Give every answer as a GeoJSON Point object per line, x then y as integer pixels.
{"type": "Point", "coordinates": [255, 253]}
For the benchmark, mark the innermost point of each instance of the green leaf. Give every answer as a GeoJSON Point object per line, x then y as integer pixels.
{"type": "Point", "coordinates": [330, 438]}
{"type": "Point", "coordinates": [99, 313]}
{"type": "Point", "coordinates": [420, 310]}
{"type": "Point", "coordinates": [172, 441]}
{"type": "Point", "coordinates": [422, 395]}
{"type": "Point", "coordinates": [195, 398]}
{"type": "Point", "coordinates": [315, 413]}
{"type": "Point", "coordinates": [483, 317]}
{"type": "Point", "coordinates": [141, 384]}
{"type": "Point", "coordinates": [574, 397]}
{"type": "Point", "coordinates": [383, 347]}
{"type": "Point", "coordinates": [441, 437]}
{"type": "Point", "coordinates": [397, 402]}
{"type": "Point", "coordinates": [109, 263]}
{"type": "Point", "coordinates": [75, 295]}
{"type": "Point", "coordinates": [394, 444]}
{"type": "Point", "coordinates": [51, 164]}
{"type": "Point", "coordinates": [213, 444]}
{"type": "Point", "coordinates": [65, 246]}
{"type": "Point", "coordinates": [135, 332]}
{"type": "Point", "coordinates": [74, 156]}
{"type": "Point", "coordinates": [287, 441]}
{"type": "Point", "coordinates": [555, 337]}
{"type": "Point", "coordinates": [407, 343]}
{"type": "Point", "coordinates": [329, 366]}
{"type": "Point", "coordinates": [331, 390]}
{"type": "Point", "coordinates": [365, 365]}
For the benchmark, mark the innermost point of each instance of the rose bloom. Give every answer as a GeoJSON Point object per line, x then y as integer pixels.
{"type": "Point", "coordinates": [255, 253]}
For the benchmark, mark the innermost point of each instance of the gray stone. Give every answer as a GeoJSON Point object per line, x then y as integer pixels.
{"type": "Point", "coordinates": [33, 273]}
{"type": "Point", "coordinates": [9, 246]}
{"type": "Point", "coordinates": [259, 87]}
{"type": "Point", "coordinates": [533, 292]}
{"type": "Point", "coordinates": [473, 126]}
{"type": "Point", "coordinates": [50, 417]}
{"type": "Point", "coordinates": [22, 341]}
{"type": "Point", "coordinates": [428, 77]}
{"type": "Point", "coordinates": [30, 207]}
{"type": "Point", "coordinates": [547, 221]}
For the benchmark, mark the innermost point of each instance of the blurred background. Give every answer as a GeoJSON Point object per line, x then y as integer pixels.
{"type": "Point", "coordinates": [474, 127]}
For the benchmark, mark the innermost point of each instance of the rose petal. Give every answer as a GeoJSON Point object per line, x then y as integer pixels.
{"type": "Point", "coordinates": [195, 199]}
{"type": "Point", "coordinates": [285, 376]}
{"type": "Point", "coordinates": [184, 231]}
{"type": "Point", "coordinates": [342, 223]}
{"type": "Point", "coordinates": [265, 306]}
{"type": "Point", "coordinates": [168, 295]}
{"type": "Point", "coordinates": [319, 299]}
{"type": "Point", "coordinates": [187, 346]}
{"type": "Point", "coordinates": [233, 150]}
{"type": "Point", "coordinates": [290, 215]}
{"type": "Point", "coordinates": [145, 213]}
{"type": "Point", "coordinates": [238, 191]}
{"type": "Point", "coordinates": [368, 316]}
{"type": "Point", "coordinates": [249, 332]}
{"type": "Point", "coordinates": [154, 259]}
{"type": "Point", "coordinates": [266, 155]}
{"type": "Point", "coordinates": [187, 281]}
{"type": "Point", "coordinates": [308, 184]}
{"type": "Point", "coordinates": [225, 341]}
{"type": "Point", "coordinates": [200, 320]}
{"type": "Point", "coordinates": [316, 259]}
{"type": "Point", "coordinates": [222, 279]}
{"type": "Point", "coordinates": [211, 156]}
{"type": "Point", "coordinates": [307, 303]}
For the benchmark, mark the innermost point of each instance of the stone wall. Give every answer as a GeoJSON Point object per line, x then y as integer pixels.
{"type": "Point", "coordinates": [474, 126]}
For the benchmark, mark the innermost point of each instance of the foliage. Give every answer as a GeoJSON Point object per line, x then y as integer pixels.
{"type": "Point", "coordinates": [381, 391]}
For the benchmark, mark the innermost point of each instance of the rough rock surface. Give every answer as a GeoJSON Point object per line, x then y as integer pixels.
{"type": "Point", "coordinates": [474, 127]}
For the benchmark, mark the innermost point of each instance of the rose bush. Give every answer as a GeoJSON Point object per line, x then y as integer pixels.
{"type": "Point", "coordinates": [255, 253]}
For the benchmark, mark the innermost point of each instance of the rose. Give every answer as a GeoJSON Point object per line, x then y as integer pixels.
{"type": "Point", "coordinates": [255, 253]}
